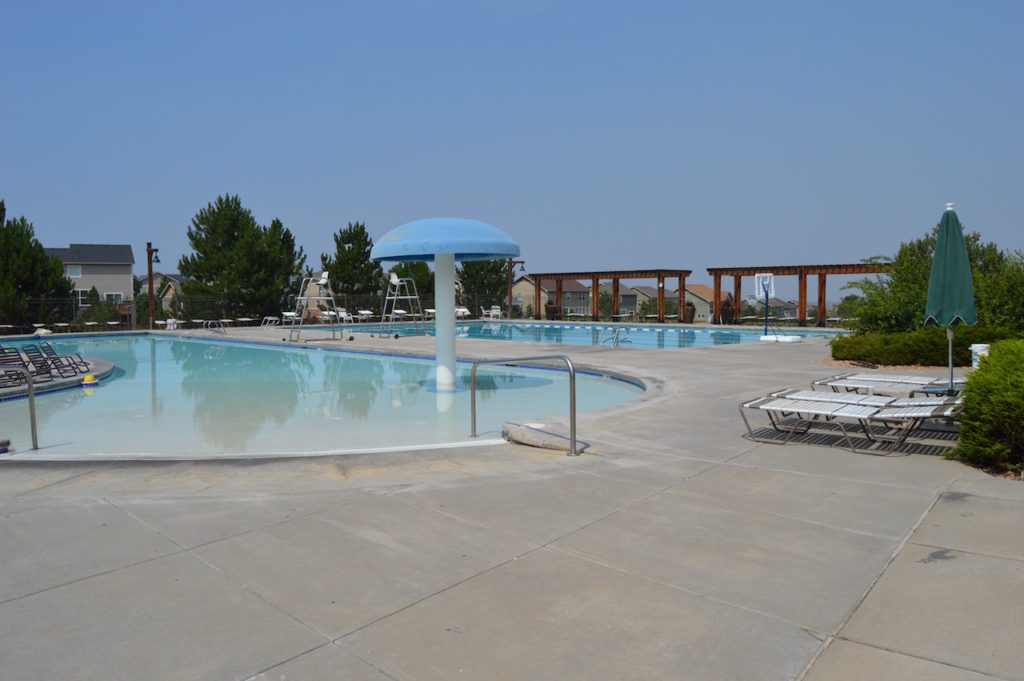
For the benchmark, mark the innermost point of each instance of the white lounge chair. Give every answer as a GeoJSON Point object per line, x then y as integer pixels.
{"type": "Point", "coordinates": [345, 317]}
{"type": "Point", "coordinates": [793, 416]}
{"type": "Point", "coordinates": [461, 312]}
{"type": "Point", "coordinates": [364, 315]}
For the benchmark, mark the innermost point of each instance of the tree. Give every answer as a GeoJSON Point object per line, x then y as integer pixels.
{"type": "Point", "coordinates": [250, 267]}
{"type": "Point", "coordinates": [484, 282]}
{"type": "Point", "coordinates": [421, 275]}
{"type": "Point", "coordinates": [351, 270]}
{"type": "Point", "coordinates": [26, 271]}
{"type": "Point", "coordinates": [896, 302]}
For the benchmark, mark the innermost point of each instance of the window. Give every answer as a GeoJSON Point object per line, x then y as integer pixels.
{"type": "Point", "coordinates": [74, 271]}
{"type": "Point", "coordinates": [113, 297]}
{"type": "Point", "coordinates": [83, 297]}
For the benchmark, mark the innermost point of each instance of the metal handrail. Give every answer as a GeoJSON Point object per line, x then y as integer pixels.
{"type": "Point", "coordinates": [31, 402]}
{"type": "Point", "coordinates": [512, 361]}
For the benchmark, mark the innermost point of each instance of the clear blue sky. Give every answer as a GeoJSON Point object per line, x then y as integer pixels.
{"type": "Point", "coordinates": [599, 135]}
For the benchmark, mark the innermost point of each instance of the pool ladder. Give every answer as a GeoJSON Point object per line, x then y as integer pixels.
{"type": "Point", "coordinates": [31, 402]}
{"type": "Point", "coordinates": [514, 361]}
{"type": "Point", "coordinates": [618, 336]}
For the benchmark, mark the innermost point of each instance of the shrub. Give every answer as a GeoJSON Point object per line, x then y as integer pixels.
{"type": "Point", "coordinates": [992, 421]}
{"type": "Point", "coordinates": [926, 346]}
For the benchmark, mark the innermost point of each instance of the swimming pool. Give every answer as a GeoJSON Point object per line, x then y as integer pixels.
{"type": "Point", "coordinates": [189, 398]}
{"type": "Point", "coordinates": [640, 336]}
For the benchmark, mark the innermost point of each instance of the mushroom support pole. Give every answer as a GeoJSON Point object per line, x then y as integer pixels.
{"type": "Point", "coordinates": [444, 319]}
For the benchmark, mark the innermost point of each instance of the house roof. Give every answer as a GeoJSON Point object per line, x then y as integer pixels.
{"type": "Point", "coordinates": [623, 290]}
{"type": "Point", "coordinates": [94, 254]}
{"type": "Point", "coordinates": [707, 293]}
{"type": "Point", "coordinates": [652, 292]}
{"type": "Point", "coordinates": [548, 285]}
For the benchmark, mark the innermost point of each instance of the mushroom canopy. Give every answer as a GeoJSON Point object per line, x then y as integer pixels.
{"type": "Point", "coordinates": [423, 239]}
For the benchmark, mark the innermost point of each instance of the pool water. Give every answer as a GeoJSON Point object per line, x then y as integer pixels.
{"type": "Point", "coordinates": [640, 336]}
{"type": "Point", "coordinates": [188, 397]}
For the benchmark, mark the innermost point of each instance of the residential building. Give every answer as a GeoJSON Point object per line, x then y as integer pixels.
{"type": "Point", "coordinates": [575, 296]}
{"type": "Point", "coordinates": [628, 298]}
{"type": "Point", "coordinates": [105, 267]}
{"type": "Point", "coordinates": [650, 293]}
{"type": "Point", "coordinates": [702, 297]}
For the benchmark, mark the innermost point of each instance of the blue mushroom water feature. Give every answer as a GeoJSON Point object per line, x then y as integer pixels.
{"type": "Point", "coordinates": [443, 241]}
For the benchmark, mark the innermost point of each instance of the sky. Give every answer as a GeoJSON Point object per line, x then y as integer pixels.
{"type": "Point", "coordinates": [599, 135]}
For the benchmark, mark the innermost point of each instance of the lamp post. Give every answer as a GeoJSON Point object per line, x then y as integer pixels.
{"type": "Point", "coordinates": [511, 267]}
{"type": "Point", "coordinates": [151, 257]}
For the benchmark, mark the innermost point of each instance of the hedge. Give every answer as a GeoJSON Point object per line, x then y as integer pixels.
{"type": "Point", "coordinates": [925, 346]}
{"type": "Point", "coordinates": [992, 421]}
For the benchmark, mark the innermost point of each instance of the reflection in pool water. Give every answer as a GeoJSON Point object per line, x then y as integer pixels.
{"type": "Point", "coordinates": [191, 397]}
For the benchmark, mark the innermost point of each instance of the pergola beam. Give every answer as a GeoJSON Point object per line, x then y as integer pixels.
{"type": "Point", "coordinates": [800, 271]}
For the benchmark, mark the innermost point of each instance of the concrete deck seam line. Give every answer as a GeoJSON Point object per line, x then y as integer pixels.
{"type": "Point", "coordinates": [437, 593]}
{"type": "Point", "coordinates": [863, 597]}
{"type": "Point", "coordinates": [894, 485]}
{"type": "Point", "coordinates": [918, 657]}
{"type": "Point", "coordinates": [818, 635]}
{"type": "Point", "coordinates": [99, 467]}
{"type": "Point", "coordinates": [1015, 559]}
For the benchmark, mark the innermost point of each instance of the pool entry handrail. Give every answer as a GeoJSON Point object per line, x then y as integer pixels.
{"type": "Point", "coordinates": [31, 401]}
{"type": "Point", "coordinates": [513, 361]}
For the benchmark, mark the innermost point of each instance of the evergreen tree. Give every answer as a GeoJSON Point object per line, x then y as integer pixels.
{"type": "Point", "coordinates": [26, 271]}
{"type": "Point", "coordinates": [351, 270]}
{"type": "Point", "coordinates": [484, 283]}
{"type": "Point", "coordinates": [250, 267]}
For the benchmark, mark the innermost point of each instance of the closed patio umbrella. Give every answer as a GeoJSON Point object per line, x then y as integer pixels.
{"type": "Point", "coordinates": [950, 287]}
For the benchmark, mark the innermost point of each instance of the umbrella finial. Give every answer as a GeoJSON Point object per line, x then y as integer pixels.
{"type": "Point", "coordinates": [949, 206]}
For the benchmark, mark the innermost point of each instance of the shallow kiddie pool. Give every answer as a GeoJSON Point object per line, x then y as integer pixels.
{"type": "Point", "coordinates": [188, 398]}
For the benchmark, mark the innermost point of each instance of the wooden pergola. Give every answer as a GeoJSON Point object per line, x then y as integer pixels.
{"type": "Point", "coordinates": [615, 276]}
{"type": "Point", "coordinates": [800, 271]}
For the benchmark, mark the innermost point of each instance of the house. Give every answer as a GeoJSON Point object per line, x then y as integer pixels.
{"type": "Point", "coordinates": [628, 298]}
{"type": "Point", "coordinates": [649, 294]}
{"type": "Point", "coordinates": [785, 309]}
{"type": "Point", "coordinates": [702, 297]}
{"type": "Point", "coordinates": [165, 287]}
{"type": "Point", "coordinates": [107, 267]}
{"type": "Point", "coordinates": [575, 296]}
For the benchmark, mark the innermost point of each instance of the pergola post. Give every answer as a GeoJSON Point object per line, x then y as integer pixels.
{"type": "Point", "coordinates": [661, 298]}
{"type": "Point", "coordinates": [594, 294]}
{"type": "Point", "coordinates": [821, 299]}
{"type": "Point", "coordinates": [615, 295]}
{"type": "Point", "coordinates": [716, 312]}
{"type": "Point", "coordinates": [682, 297]}
{"type": "Point", "coordinates": [737, 291]}
{"type": "Point", "coordinates": [558, 298]}
{"type": "Point", "coordinates": [801, 304]}
{"type": "Point", "coordinates": [536, 299]}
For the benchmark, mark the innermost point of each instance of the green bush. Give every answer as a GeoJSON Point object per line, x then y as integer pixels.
{"type": "Point", "coordinates": [926, 346]}
{"type": "Point", "coordinates": [992, 421]}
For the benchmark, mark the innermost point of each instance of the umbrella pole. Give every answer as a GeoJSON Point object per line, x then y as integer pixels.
{"type": "Point", "coordinates": [949, 337]}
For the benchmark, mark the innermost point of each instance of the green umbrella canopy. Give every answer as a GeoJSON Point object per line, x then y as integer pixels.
{"type": "Point", "coordinates": [950, 288]}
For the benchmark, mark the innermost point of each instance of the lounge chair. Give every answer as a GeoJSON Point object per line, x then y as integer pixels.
{"type": "Point", "coordinates": [897, 419]}
{"type": "Point", "coordinates": [886, 383]}
{"type": "Point", "coordinates": [428, 313]}
{"type": "Point", "coordinates": [496, 312]}
{"type": "Point", "coordinates": [74, 359]}
{"type": "Point", "coordinates": [345, 317]}
{"type": "Point", "coordinates": [10, 359]}
{"type": "Point", "coordinates": [35, 356]}
{"type": "Point", "coordinates": [364, 315]}
{"type": "Point", "coordinates": [461, 312]}
{"type": "Point", "coordinates": [39, 368]}
{"type": "Point", "coordinates": [270, 320]}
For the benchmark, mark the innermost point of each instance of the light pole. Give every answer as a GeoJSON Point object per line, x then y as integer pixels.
{"type": "Point", "coordinates": [511, 267]}
{"type": "Point", "coordinates": [151, 257]}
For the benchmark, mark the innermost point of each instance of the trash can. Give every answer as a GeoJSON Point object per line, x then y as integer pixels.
{"type": "Point", "coordinates": [978, 350]}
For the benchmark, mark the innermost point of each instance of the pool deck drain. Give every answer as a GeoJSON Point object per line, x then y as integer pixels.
{"type": "Point", "coordinates": [673, 548]}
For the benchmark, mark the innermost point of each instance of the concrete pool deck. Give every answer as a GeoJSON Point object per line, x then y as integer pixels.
{"type": "Point", "coordinates": [674, 548]}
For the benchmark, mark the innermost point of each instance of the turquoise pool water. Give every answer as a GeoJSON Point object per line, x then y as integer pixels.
{"type": "Point", "coordinates": [187, 397]}
{"type": "Point", "coordinates": [640, 335]}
